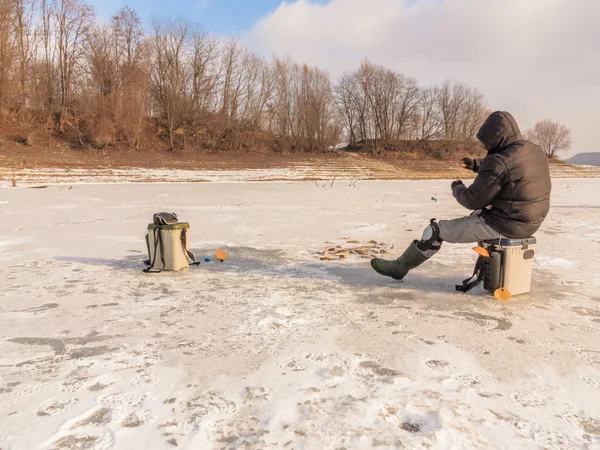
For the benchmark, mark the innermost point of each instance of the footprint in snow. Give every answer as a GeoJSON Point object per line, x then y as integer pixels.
{"type": "Point", "coordinates": [532, 398]}
{"type": "Point", "coordinates": [292, 364]}
{"type": "Point", "coordinates": [439, 365]}
{"type": "Point", "coordinates": [55, 406]}
{"type": "Point", "coordinates": [137, 419]}
{"type": "Point", "coordinates": [207, 405]}
{"type": "Point", "coordinates": [74, 385]}
{"type": "Point", "coordinates": [128, 399]}
{"type": "Point", "coordinates": [592, 381]}
{"type": "Point", "coordinates": [211, 403]}
{"type": "Point", "coordinates": [89, 440]}
{"type": "Point", "coordinates": [103, 381]}
{"type": "Point", "coordinates": [145, 380]}
{"type": "Point", "coordinates": [254, 393]}
{"type": "Point", "coordinates": [30, 389]}
{"type": "Point", "coordinates": [96, 417]}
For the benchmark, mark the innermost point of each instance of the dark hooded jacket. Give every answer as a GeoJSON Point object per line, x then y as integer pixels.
{"type": "Point", "coordinates": [513, 185]}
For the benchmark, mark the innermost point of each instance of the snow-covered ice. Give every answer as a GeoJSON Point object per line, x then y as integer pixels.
{"type": "Point", "coordinates": [104, 175]}
{"type": "Point", "coordinates": [275, 348]}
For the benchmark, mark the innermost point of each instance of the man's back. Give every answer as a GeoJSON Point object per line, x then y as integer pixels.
{"type": "Point", "coordinates": [514, 179]}
{"type": "Point", "coordinates": [524, 201]}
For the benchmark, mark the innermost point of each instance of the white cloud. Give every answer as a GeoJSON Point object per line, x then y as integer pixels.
{"type": "Point", "coordinates": [536, 58]}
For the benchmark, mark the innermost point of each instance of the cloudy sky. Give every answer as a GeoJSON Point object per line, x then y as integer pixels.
{"type": "Point", "coordinates": [535, 58]}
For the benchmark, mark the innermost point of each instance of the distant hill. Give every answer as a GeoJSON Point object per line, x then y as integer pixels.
{"type": "Point", "coordinates": [585, 159]}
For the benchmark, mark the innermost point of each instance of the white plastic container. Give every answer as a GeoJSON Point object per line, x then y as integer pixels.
{"type": "Point", "coordinates": [510, 265]}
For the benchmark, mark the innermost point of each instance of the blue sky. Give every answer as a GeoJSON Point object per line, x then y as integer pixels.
{"type": "Point", "coordinates": [221, 17]}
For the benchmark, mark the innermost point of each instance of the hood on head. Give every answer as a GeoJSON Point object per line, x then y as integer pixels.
{"type": "Point", "coordinates": [499, 131]}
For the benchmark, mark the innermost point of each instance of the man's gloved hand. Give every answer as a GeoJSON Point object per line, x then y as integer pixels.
{"type": "Point", "coordinates": [456, 183]}
{"type": "Point", "coordinates": [470, 164]}
{"type": "Point", "coordinates": [467, 163]}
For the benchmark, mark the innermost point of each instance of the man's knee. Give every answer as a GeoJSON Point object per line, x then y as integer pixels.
{"type": "Point", "coordinates": [430, 239]}
{"type": "Point", "coordinates": [451, 230]}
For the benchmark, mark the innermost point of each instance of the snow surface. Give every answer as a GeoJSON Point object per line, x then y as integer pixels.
{"type": "Point", "coordinates": [275, 348]}
{"type": "Point", "coordinates": [104, 175]}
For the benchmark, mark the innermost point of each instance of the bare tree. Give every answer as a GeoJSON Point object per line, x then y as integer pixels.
{"type": "Point", "coordinates": [375, 103]}
{"type": "Point", "coordinates": [202, 76]}
{"type": "Point", "coordinates": [431, 122]}
{"type": "Point", "coordinates": [128, 33]}
{"type": "Point", "coordinates": [378, 85]}
{"type": "Point", "coordinates": [315, 102]}
{"type": "Point", "coordinates": [6, 53]}
{"type": "Point", "coordinates": [104, 82]}
{"type": "Point", "coordinates": [73, 21]}
{"type": "Point", "coordinates": [262, 94]}
{"type": "Point", "coordinates": [245, 87]}
{"type": "Point", "coordinates": [257, 88]}
{"type": "Point", "coordinates": [346, 107]}
{"type": "Point", "coordinates": [205, 72]}
{"type": "Point", "coordinates": [170, 77]}
{"type": "Point", "coordinates": [352, 104]}
{"type": "Point", "coordinates": [406, 103]}
{"type": "Point", "coordinates": [302, 110]}
{"type": "Point", "coordinates": [46, 71]}
{"type": "Point", "coordinates": [463, 110]}
{"type": "Point", "coordinates": [133, 64]}
{"type": "Point", "coordinates": [25, 40]}
{"type": "Point", "coordinates": [371, 102]}
{"type": "Point", "coordinates": [552, 137]}
{"type": "Point", "coordinates": [473, 114]}
{"type": "Point", "coordinates": [282, 109]}
{"type": "Point", "coordinates": [231, 70]}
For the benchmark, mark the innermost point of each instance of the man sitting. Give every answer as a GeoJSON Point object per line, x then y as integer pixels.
{"type": "Point", "coordinates": [510, 197]}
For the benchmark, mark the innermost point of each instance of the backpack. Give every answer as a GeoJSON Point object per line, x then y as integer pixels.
{"type": "Point", "coordinates": [164, 218]}
{"type": "Point", "coordinates": [163, 222]}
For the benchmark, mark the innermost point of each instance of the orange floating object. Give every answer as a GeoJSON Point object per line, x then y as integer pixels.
{"type": "Point", "coordinates": [482, 251]}
{"type": "Point", "coordinates": [502, 294]}
{"type": "Point", "coordinates": [221, 255]}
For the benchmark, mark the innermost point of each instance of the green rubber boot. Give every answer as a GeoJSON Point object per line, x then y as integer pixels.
{"type": "Point", "coordinates": [398, 268]}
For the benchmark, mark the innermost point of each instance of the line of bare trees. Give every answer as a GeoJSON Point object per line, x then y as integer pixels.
{"type": "Point", "coordinates": [104, 83]}
{"type": "Point", "coordinates": [375, 103]}
{"type": "Point", "coordinates": [61, 68]}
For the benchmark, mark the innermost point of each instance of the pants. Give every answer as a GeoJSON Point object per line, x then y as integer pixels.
{"type": "Point", "coordinates": [466, 230]}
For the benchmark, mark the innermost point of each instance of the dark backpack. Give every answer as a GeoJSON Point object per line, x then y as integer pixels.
{"type": "Point", "coordinates": [165, 218]}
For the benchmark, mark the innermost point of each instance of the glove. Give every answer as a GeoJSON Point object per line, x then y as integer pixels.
{"type": "Point", "coordinates": [470, 164]}
{"type": "Point", "coordinates": [456, 183]}
{"type": "Point", "coordinates": [467, 163]}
